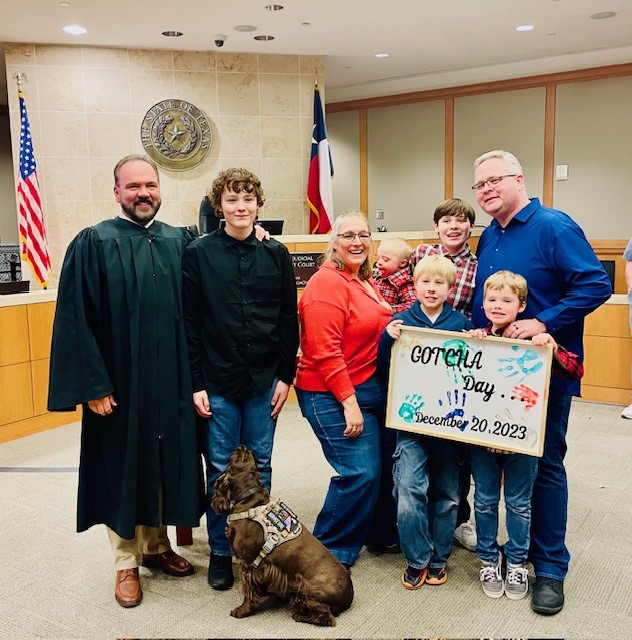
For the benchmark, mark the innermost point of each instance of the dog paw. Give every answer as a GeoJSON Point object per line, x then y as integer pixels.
{"type": "Point", "coordinates": [241, 612]}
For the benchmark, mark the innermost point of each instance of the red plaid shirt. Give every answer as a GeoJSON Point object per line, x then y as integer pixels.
{"type": "Point", "coordinates": [461, 294]}
{"type": "Point", "coordinates": [398, 289]}
{"type": "Point", "coordinates": [565, 363]}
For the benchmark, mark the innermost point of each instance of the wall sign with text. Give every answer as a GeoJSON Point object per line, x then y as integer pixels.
{"type": "Point", "coordinates": [490, 392]}
{"type": "Point", "coordinates": [305, 265]}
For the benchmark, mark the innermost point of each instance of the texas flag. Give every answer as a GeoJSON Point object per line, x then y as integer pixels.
{"type": "Point", "coordinates": [321, 170]}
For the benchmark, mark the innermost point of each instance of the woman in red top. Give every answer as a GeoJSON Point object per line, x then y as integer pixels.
{"type": "Point", "coordinates": [342, 315]}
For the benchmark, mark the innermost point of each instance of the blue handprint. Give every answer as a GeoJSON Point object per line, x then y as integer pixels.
{"type": "Point", "coordinates": [526, 364]}
{"type": "Point", "coordinates": [412, 403]}
{"type": "Point", "coordinates": [457, 411]}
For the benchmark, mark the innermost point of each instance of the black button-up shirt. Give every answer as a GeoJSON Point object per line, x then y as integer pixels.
{"type": "Point", "coordinates": [240, 314]}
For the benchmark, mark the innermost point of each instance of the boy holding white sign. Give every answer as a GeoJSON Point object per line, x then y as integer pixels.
{"type": "Point", "coordinates": [505, 296]}
{"type": "Point", "coordinates": [426, 471]}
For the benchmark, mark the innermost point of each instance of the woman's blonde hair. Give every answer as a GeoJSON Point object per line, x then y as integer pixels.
{"type": "Point", "coordinates": [364, 273]}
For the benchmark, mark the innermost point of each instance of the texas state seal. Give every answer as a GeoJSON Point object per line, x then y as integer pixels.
{"type": "Point", "coordinates": [176, 134]}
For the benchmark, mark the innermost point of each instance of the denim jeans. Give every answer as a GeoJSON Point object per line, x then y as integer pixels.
{"type": "Point", "coordinates": [519, 475]}
{"type": "Point", "coordinates": [344, 520]}
{"type": "Point", "coordinates": [549, 505]}
{"type": "Point", "coordinates": [246, 422]}
{"type": "Point", "coordinates": [427, 492]}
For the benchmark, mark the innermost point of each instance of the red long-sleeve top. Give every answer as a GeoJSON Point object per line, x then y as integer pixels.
{"type": "Point", "coordinates": [340, 327]}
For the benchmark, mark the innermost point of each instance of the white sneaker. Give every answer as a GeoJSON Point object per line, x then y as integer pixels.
{"type": "Point", "coordinates": [517, 583]}
{"type": "Point", "coordinates": [465, 535]}
{"type": "Point", "coordinates": [492, 579]}
{"type": "Point", "coordinates": [627, 412]}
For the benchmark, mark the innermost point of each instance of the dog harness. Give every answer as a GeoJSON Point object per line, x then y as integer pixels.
{"type": "Point", "coordinates": [279, 523]}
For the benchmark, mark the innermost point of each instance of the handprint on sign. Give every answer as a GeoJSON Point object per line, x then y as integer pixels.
{"type": "Point", "coordinates": [526, 395]}
{"type": "Point", "coordinates": [456, 410]}
{"type": "Point", "coordinates": [412, 403]}
{"type": "Point", "coordinates": [455, 350]}
{"type": "Point", "coordinates": [526, 364]}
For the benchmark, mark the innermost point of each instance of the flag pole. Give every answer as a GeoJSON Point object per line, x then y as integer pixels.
{"type": "Point", "coordinates": [18, 76]}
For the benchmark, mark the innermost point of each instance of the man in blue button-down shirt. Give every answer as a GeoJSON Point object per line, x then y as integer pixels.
{"type": "Point", "coordinates": [566, 283]}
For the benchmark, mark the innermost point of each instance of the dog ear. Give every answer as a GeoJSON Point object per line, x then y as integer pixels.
{"type": "Point", "coordinates": [221, 500]}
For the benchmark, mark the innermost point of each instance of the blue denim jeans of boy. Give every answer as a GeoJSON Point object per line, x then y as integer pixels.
{"type": "Point", "coordinates": [246, 422]}
{"type": "Point", "coordinates": [427, 492]}
{"type": "Point", "coordinates": [519, 472]}
{"type": "Point", "coordinates": [344, 520]}
{"type": "Point", "coordinates": [549, 505]}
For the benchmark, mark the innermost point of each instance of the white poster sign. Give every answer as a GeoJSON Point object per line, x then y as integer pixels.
{"type": "Point", "coordinates": [490, 392]}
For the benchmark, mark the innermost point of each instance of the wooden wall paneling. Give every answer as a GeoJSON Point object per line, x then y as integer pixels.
{"type": "Point", "coordinates": [16, 399]}
{"type": "Point", "coordinates": [607, 362]}
{"type": "Point", "coordinates": [610, 320]}
{"type": "Point", "coordinates": [39, 378]}
{"type": "Point", "coordinates": [40, 318]}
{"type": "Point", "coordinates": [448, 156]}
{"type": "Point", "coordinates": [14, 345]}
{"type": "Point", "coordinates": [364, 161]}
{"type": "Point", "coordinates": [549, 146]}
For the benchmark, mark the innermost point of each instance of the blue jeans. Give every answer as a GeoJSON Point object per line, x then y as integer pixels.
{"type": "Point", "coordinates": [549, 505]}
{"type": "Point", "coordinates": [519, 472]}
{"type": "Point", "coordinates": [344, 520]}
{"type": "Point", "coordinates": [246, 422]}
{"type": "Point", "coordinates": [427, 492]}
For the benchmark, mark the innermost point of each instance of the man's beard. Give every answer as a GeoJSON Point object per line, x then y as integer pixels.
{"type": "Point", "coordinates": [144, 218]}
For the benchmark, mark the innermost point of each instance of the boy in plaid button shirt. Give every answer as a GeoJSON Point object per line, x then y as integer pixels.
{"type": "Point", "coordinates": [392, 274]}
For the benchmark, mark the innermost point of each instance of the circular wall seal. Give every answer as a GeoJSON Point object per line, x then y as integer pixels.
{"type": "Point", "coordinates": [176, 134]}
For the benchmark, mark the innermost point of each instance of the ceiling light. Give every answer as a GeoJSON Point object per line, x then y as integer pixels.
{"type": "Point", "coordinates": [264, 38]}
{"type": "Point", "coordinates": [274, 7]}
{"type": "Point", "coordinates": [603, 15]}
{"type": "Point", "coordinates": [172, 34]}
{"type": "Point", "coordinates": [382, 55]}
{"type": "Point", "coordinates": [306, 24]}
{"type": "Point", "coordinates": [525, 27]}
{"type": "Point", "coordinates": [64, 4]}
{"type": "Point", "coordinates": [245, 27]}
{"type": "Point", "coordinates": [75, 30]}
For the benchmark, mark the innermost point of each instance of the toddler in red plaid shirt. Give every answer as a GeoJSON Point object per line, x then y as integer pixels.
{"type": "Point", "coordinates": [393, 275]}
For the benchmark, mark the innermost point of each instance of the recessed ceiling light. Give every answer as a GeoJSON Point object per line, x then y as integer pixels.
{"type": "Point", "coordinates": [264, 38]}
{"type": "Point", "coordinates": [382, 55]}
{"type": "Point", "coordinates": [75, 30]}
{"type": "Point", "coordinates": [274, 7]}
{"type": "Point", "coordinates": [64, 4]}
{"type": "Point", "coordinates": [172, 34]}
{"type": "Point", "coordinates": [603, 15]}
{"type": "Point", "coordinates": [525, 27]}
{"type": "Point", "coordinates": [245, 27]}
{"type": "Point", "coordinates": [306, 24]}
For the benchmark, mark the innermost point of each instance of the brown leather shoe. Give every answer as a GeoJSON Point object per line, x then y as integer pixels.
{"type": "Point", "coordinates": [169, 562]}
{"type": "Point", "coordinates": [127, 589]}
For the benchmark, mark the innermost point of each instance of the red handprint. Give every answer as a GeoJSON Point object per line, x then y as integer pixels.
{"type": "Point", "coordinates": [526, 395]}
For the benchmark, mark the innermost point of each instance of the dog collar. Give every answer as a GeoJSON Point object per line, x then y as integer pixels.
{"type": "Point", "coordinates": [246, 494]}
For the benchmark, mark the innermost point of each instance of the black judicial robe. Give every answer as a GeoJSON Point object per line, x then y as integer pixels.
{"type": "Point", "coordinates": [118, 329]}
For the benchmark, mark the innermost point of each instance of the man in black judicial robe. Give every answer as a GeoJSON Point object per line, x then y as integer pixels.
{"type": "Point", "coordinates": [119, 349]}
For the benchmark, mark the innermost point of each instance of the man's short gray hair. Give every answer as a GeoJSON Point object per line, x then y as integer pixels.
{"type": "Point", "coordinates": [509, 159]}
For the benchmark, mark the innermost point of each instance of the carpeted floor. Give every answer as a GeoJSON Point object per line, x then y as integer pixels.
{"type": "Point", "coordinates": [55, 583]}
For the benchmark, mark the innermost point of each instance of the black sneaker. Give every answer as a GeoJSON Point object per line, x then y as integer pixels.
{"type": "Point", "coordinates": [547, 597]}
{"type": "Point", "coordinates": [414, 578]}
{"type": "Point", "coordinates": [220, 572]}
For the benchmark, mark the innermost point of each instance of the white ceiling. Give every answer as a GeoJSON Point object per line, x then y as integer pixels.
{"type": "Point", "coordinates": [432, 43]}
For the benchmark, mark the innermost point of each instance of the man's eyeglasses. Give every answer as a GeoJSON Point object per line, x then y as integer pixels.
{"type": "Point", "coordinates": [492, 182]}
{"type": "Point", "coordinates": [364, 236]}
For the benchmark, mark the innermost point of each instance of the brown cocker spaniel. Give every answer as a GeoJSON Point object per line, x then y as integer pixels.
{"type": "Point", "coordinates": [301, 568]}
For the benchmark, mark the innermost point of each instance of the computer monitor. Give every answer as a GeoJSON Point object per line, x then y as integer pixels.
{"type": "Point", "coordinates": [273, 227]}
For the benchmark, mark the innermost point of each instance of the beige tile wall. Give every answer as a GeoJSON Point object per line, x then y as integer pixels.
{"type": "Point", "coordinates": [86, 105]}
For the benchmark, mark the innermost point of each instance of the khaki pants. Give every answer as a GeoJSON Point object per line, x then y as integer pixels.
{"type": "Point", "coordinates": [128, 554]}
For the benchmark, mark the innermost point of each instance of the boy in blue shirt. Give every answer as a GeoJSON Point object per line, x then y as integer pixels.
{"type": "Point", "coordinates": [425, 519]}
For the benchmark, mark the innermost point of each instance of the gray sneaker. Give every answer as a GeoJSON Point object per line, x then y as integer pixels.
{"type": "Point", "coordinates": [491, 579]}
{"type": "Point", "coordinates": [517, 583]}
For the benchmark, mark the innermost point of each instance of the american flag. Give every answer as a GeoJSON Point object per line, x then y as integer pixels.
{"type": "Point", "coordinates": [31, 216]}
{"type": "Point", "coordinates": [321, 170]}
